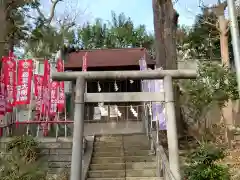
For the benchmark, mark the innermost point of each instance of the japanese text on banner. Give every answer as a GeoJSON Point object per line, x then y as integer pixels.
{"type": "Point", "coordinates": [54, 98]}
{"type": "Point", "coordinates": [38, 86]}
{"type": "Point", "coordinates": [46, 88]}
{"type": "Point", "coordinates": [61, 98]}
{"type": "Point", "coordinates": [9, 70]}
{"type": "Point", "coordinates": [24, 83]}
{"type": "Point", "coordinates": [3, 101]}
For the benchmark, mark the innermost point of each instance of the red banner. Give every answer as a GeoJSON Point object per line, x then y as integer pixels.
{"type": "Point", "coordinates": [3, 102]}
{"type": "Point", "coordinates": [24, 83]}
{"type": "Point", "coordinates": [9, 70]}
{"type": "Point", "coordinates": [61, 98]}
{"type": "Point", "coordinates": [54, 98]}
{"type": "Point", "coordinates": [84, 65]}
{"type": "Point", "coordinates": [46, 88]}
{"type": "Point", "coordinates": [38, 86]}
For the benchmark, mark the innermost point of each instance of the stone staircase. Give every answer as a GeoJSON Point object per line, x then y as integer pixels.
{"type": "Point", "coordinates": [122, 157]}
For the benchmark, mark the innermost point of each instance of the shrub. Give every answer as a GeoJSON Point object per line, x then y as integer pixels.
{"type": "Point", "coordinates": [214, 85]}
{"type": "Point", "coordinates": [27, 147]}
{"type": "Point", "coordinates": [203, 164]}
{"type": "Point", "coordinates": [21, 160]}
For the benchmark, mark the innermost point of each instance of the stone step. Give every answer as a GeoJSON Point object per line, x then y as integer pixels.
{"type": "Point", "coordinates": [60, 158]}
{"type": "Point", "coordinates": [106, 174]}
{"type": "Point", "coordinates": [109, 138]}
{"type": "Point", "coordinates": [141, 165]}
{"type": "Point", "coordinates": [125, 138]}
{"type": "Point", "coordinates": [128, 178]}
{"type": "Point", "coordinates": [56, 145]}
{"type": "Point", "coordinates": [108, 154]}
{"type": "Point", "coordinates": [56, 151]}
{"type": "Point", "coordinates": [144, 178]}
{"type": "Point", "coordinates": [138, 153]}
{"type": "Point", "coordinates": [118, 149]}
{"type": "Point", "coordinates": [136, 148]}
{"type": "Point", "coordinates": [105, 178]}
{"type": "Point", "coordinates": [107, 160]}
{"type": "Point", "coordinates": [140, 139]}
{"type": "Point", "coordinates": [55, 171]}
{"type": "Point", "coordinates": [100, 143]}
{"type": "Point", "coordinates": [112, 166]}
{"type": "Point", "coordinates": [133, 136]}
{"type": "Point", "coordinates": [107, 148]}
{"type": "Point", "coordinates": [125, 146]}
{"type": "Point", "coordinates": [140, 158]}
{"type": "Point", "coordinates": [141, 173]}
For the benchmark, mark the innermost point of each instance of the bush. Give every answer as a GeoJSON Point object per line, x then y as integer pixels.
{"type": "Point", "coordinates": [27, 147]}
{"type": "Point", "coordinates": [215, 85]}
{"type": "Point", "coordinates": [21, 160]}
{"type": "Point", "coordinates": [203, 164]}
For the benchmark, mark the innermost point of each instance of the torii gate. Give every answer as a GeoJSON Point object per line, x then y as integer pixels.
{"type": "Point", "coordinates": [81, 97]}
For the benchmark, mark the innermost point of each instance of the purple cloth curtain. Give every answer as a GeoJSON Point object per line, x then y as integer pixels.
{"type": "Point", "coordinates": [154, 86]}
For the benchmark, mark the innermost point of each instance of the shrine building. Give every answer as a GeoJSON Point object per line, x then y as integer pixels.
{"type": "Point", "coordinates": [125, 59]}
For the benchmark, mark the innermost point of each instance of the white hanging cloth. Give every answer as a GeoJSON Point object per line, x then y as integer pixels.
{"type": "Point", "coordinates": [133, 111]}
{"type": "Point", "coordinates": [116, 86]}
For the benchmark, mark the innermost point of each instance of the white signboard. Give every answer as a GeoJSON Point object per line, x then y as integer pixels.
{"type": "Point", "coordinates": [104, 110]}
{"type": "Point", "coordinates": [97, 113]}
{"type": "Point", "coordinates": [113, 112]}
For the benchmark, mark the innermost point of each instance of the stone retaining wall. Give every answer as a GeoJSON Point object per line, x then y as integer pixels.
{"type": "Point", "coordinates": [58, 153]}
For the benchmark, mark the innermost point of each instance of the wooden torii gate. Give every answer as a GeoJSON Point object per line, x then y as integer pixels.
{"type": "Point", "coordinates": [81, 97]}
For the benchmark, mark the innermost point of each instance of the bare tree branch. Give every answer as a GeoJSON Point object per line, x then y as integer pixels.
{"type": "Point", "coordinates": [52, 11]}
{"type": "Point", "coordinates": [211, 24]}
{"type": "Point", "coordinates": [54, 4]}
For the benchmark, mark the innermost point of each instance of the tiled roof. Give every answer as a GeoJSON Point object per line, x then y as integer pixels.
{"type": "Point", "coordinates": [108, 57]}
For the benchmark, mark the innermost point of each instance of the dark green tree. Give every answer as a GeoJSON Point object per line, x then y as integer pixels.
{"type": "Point", "coordinates": [120, 32]}
{"type": "Point", "coordinates": [203, 38]}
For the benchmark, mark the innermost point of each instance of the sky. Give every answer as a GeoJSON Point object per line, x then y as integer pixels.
{"type": "Point", "coordinates": [140, 11]}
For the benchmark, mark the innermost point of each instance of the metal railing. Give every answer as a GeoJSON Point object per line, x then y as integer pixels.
{"type": "Point", "coordinates": [37, 127]}
{"type": "Point", "coordinates": [163, 167]}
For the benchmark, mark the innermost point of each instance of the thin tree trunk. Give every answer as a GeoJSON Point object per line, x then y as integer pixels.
{"type": "Point", "coordinates": [3, 23]}
{"type": "Point", "coordinates": [223, 25]}
{"type": "Point", "coordinates": [158, 21]}
{"type": "Point", "coordinates": [168, 27]}
{"type": "Point", "coordinates": [227, 110]}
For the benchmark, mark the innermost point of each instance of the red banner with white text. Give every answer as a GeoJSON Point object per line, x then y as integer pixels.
{"type": "Point", "coordinates": [9, 70]}
{"type": "Point", "coordinates": [3, 102]}
{"type": "Point", "coordinates": [46, 89]}
{"type": "Point", "coordinates": [61, 95]}
{"type": "Point", "coordinates": [38, 87]}
{"type": "Point", "coordinates": [24, 81]}
{"type": "Point", "coordinates": [54, 86]}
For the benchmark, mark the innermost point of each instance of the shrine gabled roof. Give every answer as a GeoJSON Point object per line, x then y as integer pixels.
{"type": "Point", "coordinates": [108, 57]}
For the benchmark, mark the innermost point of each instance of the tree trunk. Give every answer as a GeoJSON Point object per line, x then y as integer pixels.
{"type": "Point", "coordinates": [158, 21]}
{"type": "Point", "coordinates": [3, 32]}
{"type": "Point", "coordinates": [165, 27]}
{"type": "Point", "coordinates": [227, 110]}
{"type": "Point", "coordinates": [223, 25]}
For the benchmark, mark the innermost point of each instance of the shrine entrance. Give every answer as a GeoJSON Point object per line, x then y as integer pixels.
{"type": "Point", "coordinates": [166, 97]}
